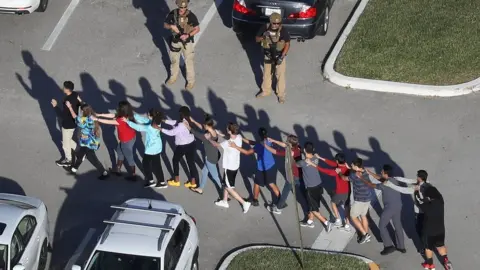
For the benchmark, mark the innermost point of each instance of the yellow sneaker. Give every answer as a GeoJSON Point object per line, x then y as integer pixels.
{"type": "Point", "coordinates": [173, 183]}
{"type": "Point", "coordinates": [190, 185]}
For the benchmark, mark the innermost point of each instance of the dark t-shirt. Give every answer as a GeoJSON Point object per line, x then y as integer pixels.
{"type": "Point", "coordinates": [284, 35]}
{"type": "Point", "coordinates": [68, 122]}
{"type": "Point", "coordinates": [192, 20]}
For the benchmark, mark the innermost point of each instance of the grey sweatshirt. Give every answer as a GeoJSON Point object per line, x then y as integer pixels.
{"type": "Point", "coordinates": [311, 176]}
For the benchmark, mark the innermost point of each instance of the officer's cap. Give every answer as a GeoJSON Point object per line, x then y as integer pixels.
{"type": "Point", "coordinates": [181, 3]}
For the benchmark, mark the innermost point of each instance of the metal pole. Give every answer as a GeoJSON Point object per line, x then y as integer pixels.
{"type": "Point", "coordinates": [289, 174]}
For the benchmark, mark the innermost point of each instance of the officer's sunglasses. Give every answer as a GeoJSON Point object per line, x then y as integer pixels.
{"type": "Point", "coordinates": [275, 23]}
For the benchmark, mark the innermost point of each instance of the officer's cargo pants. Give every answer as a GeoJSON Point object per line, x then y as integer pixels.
{"type": "Point", "coordinates": [188, 54]}
{"type": "Point", "coordinates": [267, 79]}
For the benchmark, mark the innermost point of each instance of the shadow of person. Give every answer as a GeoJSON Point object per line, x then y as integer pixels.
{"type": "Point", "coordinates": [78, 215]}
{"type": "Point", "coordinates": [95, 97]}
{"type": "Point", "coordinates": [43, 88]}
{"type": "Point", "coordinates": [341, 145]}
{"type": "Point", "coordinates": [224, 9]}
{"type": "Point", "coordinates": [10, 186]}
{"type": "Point", "coordinates": [220, 112]}
{"type": "Point", "coordinates": [149, 100]}
{"type": "Point", "coordinates": [155, 13]}
{"type": "Point", "coordinates": [255, 55]}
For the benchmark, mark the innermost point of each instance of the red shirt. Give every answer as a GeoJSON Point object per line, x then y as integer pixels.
{"type": "Point", "coordinates": [342, 186]}
{"type": "Point", "coordinates": [297, 155]}
{"type": "Point", "coordinates": [125, 132]}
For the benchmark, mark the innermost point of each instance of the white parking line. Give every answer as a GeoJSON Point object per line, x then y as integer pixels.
{"type": "Point", "coordinates": [80, 249]}
{"type": "Point", "coordinates": [204, 23]}
{"type": "Point", "coordinates": [60, 25]}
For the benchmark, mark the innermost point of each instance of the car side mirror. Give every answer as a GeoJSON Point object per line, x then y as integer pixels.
{"type": "Point", "coordinates": [18, 267]}
{"type": "Point", "coordinates": [76, 267]}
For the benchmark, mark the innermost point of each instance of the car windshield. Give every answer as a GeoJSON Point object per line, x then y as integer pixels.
{"type": "Point", "coordinates": [3, 257]}
{"type": "Point", "coordinates": [116, 261]}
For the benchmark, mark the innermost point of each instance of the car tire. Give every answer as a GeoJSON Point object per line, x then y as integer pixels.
{"type": "Point", "coordinates": [323, 27]}
{"type": "Point", "coordinates": [43, 6]}
{"type": "Point", "coordinates": [44, 258]}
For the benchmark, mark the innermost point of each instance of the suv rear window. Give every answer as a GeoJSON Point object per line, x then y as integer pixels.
{"type": "Point", "coordinates": [2, 227]}
{"type": "Point", "coordinates": [103, 260]}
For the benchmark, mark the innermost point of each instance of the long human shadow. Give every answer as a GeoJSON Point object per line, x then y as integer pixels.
{"type": "Point", "coordinates": [149, 100]}
{"type": "Point", "coordinates": [84, 209]}
{"type": "Point", "coordinates": [43, 89]}
{"type": "Point", "coordinates": [10, 186]}
{"type": "Point", "coordinates": [254, 55]}
{"type": "Point", "coordinates": [310, 134]}
{"type": "Point", "coordinates": [224, 9]}
{"type": "Point", "coordinates": [155, 13]}
{"type": "Point", "coordinates": [93, 95]}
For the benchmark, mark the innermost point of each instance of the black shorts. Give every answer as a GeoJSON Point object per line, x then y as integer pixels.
{"type": "Point", "coordinates": [267, 177]}
{"type": "Point", "coordinates": [433, 241]}
{"type": "Point", "coordinates": [228, 179]}
{"type": "Point", "coordinates": [340, 199]}
{"type": "Point", "coordinates": [314, 197]}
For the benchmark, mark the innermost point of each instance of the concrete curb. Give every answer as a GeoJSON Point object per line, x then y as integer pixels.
{"type": "Point", "coordinates": [387, 86]}
{"type": "Point", "coordinates": [228, 259]}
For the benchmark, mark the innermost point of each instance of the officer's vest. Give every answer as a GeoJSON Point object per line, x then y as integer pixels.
{"type": "Point", "coordinates": [181, 21]}
{"type": "Point", "coordinates": [273, 39]}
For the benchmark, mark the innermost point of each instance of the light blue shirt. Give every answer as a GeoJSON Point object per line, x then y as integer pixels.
{"type": "Point", "coordinates": [153, 139]}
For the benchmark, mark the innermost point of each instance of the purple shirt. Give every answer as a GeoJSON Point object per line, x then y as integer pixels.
{"type": "Point", "coordinates": [181, 133]}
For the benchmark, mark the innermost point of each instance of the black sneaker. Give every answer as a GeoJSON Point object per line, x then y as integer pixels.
{"type": "Point", "coordinates": [387, 250]}
{"type": "Point", "coordinates": [255, 202]}
{"type": "Point", "coordinates": [161, 185]}
{"type": "Point", "coordinates": [402, 250]}
{"type": "Point", "coordinates": [150, 183]}
{"type": "Point", "coordinates": [364, 239]}
{"type": "Point", "coordinates": [305, 223]}
{"type": "Point", "coordinates": [104, 176]}
{"type": "Point", "coordinates": [63, 162]}
{"type": "Point", "coordinates": [132, 178]}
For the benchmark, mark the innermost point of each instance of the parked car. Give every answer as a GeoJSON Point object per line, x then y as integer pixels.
{"type": "Point", "coordinates": [146, 234]}
{"type": "Point", "coordinates": [21, 7]}
{"type": "Point", "coordinates": [24, 227]}
{"type": "Point", "coordinates": [304, 19]}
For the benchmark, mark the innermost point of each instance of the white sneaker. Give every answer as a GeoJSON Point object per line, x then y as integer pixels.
{"type": "Point", "coordinates": [347, 228]}
{"type": "Point", "coordinates": [338, 223]}
{"type": "Point", "coordinates": [328, 226]}
{"type": "Point", "coordinates": [222, 203]}
{"type": "Point", "coordinates": [246, 206]}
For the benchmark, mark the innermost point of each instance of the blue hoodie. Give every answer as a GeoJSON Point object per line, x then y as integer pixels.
{"type": "Point", "coordinates": [153, 140]}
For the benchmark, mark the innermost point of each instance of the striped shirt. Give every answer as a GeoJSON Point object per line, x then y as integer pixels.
{"type": "Point", "coordinates": [361, 191]}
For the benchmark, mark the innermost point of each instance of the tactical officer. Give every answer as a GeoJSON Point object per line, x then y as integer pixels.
{"type": "Point", "coordinates": [275, 42]}
{"type": "Point", "coordinates": [184, 25]}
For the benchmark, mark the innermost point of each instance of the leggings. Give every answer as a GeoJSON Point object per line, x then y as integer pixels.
{"type": "Point", "coordinates": [187, 150]}
{"type": "Point", "coordinates": [152, 165]}
{"type": "Point", "coordinates": [91, 156]}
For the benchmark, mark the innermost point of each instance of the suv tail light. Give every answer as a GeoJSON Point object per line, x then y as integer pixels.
{"type": "Point", "coordinates": [306, 13]}
{"type": "Point", "coordinates": [240, 7]}
{"type": "Point", "coordinates": [194, 220]}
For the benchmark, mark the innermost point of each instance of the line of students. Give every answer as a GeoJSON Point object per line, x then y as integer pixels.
{"type": "Point", "coordinates": [428, 201]}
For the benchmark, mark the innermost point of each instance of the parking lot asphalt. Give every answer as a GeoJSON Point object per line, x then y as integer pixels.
{"type": "Point", "coordinates": [114, 51]}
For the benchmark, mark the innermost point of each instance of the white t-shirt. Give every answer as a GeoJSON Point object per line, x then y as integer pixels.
{"type": "Point", "coordinates": [231, 156]}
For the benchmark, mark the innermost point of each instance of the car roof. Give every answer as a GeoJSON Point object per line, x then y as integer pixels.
{"type": "Point", "coordinates": [12, 209]}
{"type": "Point", "coordinates": [135, 229]}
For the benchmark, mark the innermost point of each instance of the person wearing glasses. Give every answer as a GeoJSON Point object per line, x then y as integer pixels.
{"type": "Point", "coordinates": [275, 42]}
{"type": "Point", "coordinates": [184, 26]}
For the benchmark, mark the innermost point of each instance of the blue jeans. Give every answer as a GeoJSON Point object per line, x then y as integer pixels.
{"type": "Point", "coordinates": [212, 169]}
{"type": "Point", "coordinates": [300, 190]}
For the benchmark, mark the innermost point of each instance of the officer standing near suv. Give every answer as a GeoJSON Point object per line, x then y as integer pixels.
{"type": "Point", "coordinates": [184, 26]}
{"type": "Point", "coordinates": [275, 42]}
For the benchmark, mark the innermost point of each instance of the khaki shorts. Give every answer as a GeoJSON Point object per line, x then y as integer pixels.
{"type": "Point", "coordinates": [359, 209]}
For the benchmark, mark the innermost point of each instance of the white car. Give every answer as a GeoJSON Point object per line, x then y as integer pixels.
{"type": "Point", "coordinates": [146, 234]}
{"type": "Point", "coordinates": [21, 7]}
{"type": "Point", "coordinates": [24, 240]}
